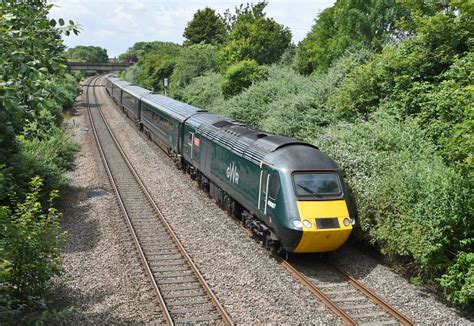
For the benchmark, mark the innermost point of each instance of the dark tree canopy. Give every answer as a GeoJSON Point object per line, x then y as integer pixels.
{"type": "Point", "coordinates": [206, 27]}
{"type": "Point", "coordinates": [83, 53]}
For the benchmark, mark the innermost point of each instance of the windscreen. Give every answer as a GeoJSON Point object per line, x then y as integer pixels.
{"type": "Point", "coordinates": [317, 185]}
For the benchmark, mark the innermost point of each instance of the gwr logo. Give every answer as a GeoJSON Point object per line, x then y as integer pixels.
{"type": "Point", "coordinates": [232, 174]}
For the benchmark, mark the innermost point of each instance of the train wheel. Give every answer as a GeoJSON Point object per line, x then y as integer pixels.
{"type": "Point", "coordinates": [227, 204]}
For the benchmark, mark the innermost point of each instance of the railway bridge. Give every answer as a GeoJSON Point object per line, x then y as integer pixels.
{"type": "Point", "coordinates": [101, 67]}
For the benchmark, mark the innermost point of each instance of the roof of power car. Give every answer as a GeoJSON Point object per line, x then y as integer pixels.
{"type": "Point", "coordinates": [249, 143]}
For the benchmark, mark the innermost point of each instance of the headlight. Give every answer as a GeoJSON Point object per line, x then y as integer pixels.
{"type": "Point", "coordinates": [297, 224]}
{"type": "Point", "coordinates": [347, 222]}
{"type": "Point", "coordinates": [307, 223]}
{"type": "Point", "coordinates": [353, 221]}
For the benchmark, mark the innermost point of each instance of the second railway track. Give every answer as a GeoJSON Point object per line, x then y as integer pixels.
{"type": "Point", "coordinates": [182, 292]}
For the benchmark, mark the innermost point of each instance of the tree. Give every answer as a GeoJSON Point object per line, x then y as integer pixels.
{"type": "Point", "coordinates": [205, 27]}
{"type": "Point", "coordinates": [27, 65]}
{"type": "Point", "coordinates": [83, 53]}
{"type": "Point", "coordinates": [255, 37]}
{"type": "Point", "coordinates": [194, 61]}
{"type": "Point", "coordinates": [156, 60]}
{"type": "Point", "coordinates": [349, 24]}
{"type": "Point", "coordinates": [251, 10]}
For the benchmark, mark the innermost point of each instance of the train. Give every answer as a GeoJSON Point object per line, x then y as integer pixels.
{"type": "Point", "coordinates": [287, 192]}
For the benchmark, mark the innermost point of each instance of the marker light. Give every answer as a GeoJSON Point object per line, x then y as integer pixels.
{"type": "Point", "coordinates": [347, 222]}
{"type": "Point", "coordinates": [353, 221]}
{"type": "Point", "coordinates": [297, 224]}
{"type": "Point", "coordinates": [307, 223]}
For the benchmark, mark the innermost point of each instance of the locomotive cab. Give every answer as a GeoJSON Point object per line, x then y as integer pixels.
{"type": "Point", "coordinates": [313, 214]}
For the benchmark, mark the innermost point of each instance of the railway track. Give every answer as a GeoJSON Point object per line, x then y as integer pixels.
{"type": "Point", "coordinates": [182, 292]}
{"type": "Point", "coordinates": [354, 303]}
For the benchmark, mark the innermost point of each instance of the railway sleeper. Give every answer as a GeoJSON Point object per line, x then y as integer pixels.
{"type": "Point", "coordinates": [188, 303]}
{"type": "Point", "coordinates": [185, 311]}
{"type": "Point", "coordinates": [200, 294]}
{"type": "Point", "coordinates": [196, 319]}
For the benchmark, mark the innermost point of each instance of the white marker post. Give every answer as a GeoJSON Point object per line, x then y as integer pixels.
{"type": "Point", "coordinates": [165, 83]}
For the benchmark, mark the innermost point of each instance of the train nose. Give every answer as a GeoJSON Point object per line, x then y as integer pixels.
{"type": "Point", "coordinates": [325, 224]}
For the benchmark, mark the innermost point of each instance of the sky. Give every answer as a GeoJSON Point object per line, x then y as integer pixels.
{"type": "Point", "coordinates": [118, 24]}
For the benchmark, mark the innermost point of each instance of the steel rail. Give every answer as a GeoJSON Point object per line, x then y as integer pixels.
{"type": "Point", "coordinates": [374, 298]}
{"type": "Point", "coordinates": [220, 310]}
{"type": "Point", "coordinates": [334, 307]}
{"type": "Point", "coordinates": [318, 293]}
{"type": "Point", "coordinates": [145, 264]}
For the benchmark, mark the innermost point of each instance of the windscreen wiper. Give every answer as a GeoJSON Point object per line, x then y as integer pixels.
{"type": "Point", "coordinates": [314, 193]}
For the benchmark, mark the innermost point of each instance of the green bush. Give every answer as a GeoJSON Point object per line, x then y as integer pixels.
{"type": "Point", "coordinates": [408, 200]}
{"type": "Point", "coordinates": [35, 87]}
{"type": "Point", "coordinates": [47, 154]}
{"type": "Point", "coordinates": [240, 76]}
{"type": "Point", "coordinates": [31, 239]}
{"type": "Point", "coordinates": [203, 92]}
{"type": "Point", "coordinates": [458, 282]}
{"type": "Point", "coordinates": [285, 94]}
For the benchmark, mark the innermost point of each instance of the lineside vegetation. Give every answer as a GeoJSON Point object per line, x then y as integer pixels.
{"type": "Point", "coordinates": [34, 153]}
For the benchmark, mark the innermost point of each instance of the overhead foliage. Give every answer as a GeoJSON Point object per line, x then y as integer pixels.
{"type": "Point", "coordinates": [205, 27]}
{"type": "Point", "coordinates": [83, 53]}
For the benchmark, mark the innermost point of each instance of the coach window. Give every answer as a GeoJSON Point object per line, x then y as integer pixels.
{"type": "Point", "coordinates": [274, 186]}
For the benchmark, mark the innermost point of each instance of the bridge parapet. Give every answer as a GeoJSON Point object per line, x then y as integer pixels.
{"type": "Point", "coordinates": [97, 66]}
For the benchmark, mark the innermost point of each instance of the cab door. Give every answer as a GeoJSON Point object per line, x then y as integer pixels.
{"type": "Point", "coordinates": [268, 192]}
{"type": "Point", "coordinates": [263, 190]}
{"type": "Point", "coordinates": [193, 143]}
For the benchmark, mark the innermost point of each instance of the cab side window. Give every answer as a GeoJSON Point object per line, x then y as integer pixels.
{"type": "Point", "coordinates": [263, 185]}
{"type": "Point", "coordinates": [274, 185]}
{"type": "Point", "coordinates": [190, 139]}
